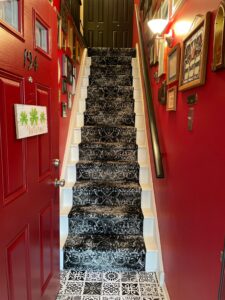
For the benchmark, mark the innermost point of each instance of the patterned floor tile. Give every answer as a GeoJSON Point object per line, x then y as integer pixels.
{"type": "Point", "coordinates": [149, 277]}
{"type": "Point", "coordinates": [76, 276]}
{"type": "Point", "coordinates": [130, 298]}
{"type": "Point", "coordinates": [129, 277]}
{"type": "Point", "coordinates": [148, 289]}
{"type": "Point", "coordinates": [92, 288]}
{"type": "Point", "coordinates": [68, 297]}
{"type": "Point", "coordinates": [91, 297]}
{"type": "Point", "coordinates": [130, 289]}
{"type": "Point", "coordinates": [94, 276]}
{"type": "Point", "coordinates": [110, 289]}
{"type": "Point", "coordinates": [111, 276]}
{"type": "Point", "coordinates": [74, 288]}
{"type": "Point", "coordinates": [110, 298]}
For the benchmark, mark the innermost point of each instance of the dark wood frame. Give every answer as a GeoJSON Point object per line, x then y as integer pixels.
{"type": "Point", "coordinates": [177, 50]}
{"type": "Point", "coordinates": [219, 41]}
{"type": "Point", "coordinates": [147, 5]}
{"type": "Point", "coordinates": [174, 106]}
{"type": "Point", "coordinates": [205, 24]}
{"type": "Point", "coordinates": [64, 86]}
{"type": "Point", "coordinates": [69, 71]}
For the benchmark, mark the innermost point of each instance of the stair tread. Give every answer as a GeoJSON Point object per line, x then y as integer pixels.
{"type": "Point", "coordinates": [105, 242]}
{"type": "Point", "coordinates": [104, 51]}
{"type": "Point", "coordinates": [106, 211]}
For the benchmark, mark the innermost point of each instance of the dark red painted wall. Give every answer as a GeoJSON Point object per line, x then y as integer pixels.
{"type": "Point", "coordinates": [191, 199]}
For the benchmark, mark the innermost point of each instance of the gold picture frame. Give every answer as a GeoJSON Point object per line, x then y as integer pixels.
{"type": "Point", "coordinates": [219, 39]}
{"type": "Point", "coordinates": [171, 103]}
{"type": "Point", "coordinates": [173, 64]}
{"type": "Point", "coordinates": [194, 55]}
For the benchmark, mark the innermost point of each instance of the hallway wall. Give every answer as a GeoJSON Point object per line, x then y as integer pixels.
{"type": "Point", "coordinates": [190, 200]}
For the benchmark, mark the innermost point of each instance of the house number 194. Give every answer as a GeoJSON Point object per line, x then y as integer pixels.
{"type": "Point", "coordinates": [30, 62]}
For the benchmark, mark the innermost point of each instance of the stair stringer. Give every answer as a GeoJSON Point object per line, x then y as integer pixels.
{"type": "Point", "coordinates": [152, 241]}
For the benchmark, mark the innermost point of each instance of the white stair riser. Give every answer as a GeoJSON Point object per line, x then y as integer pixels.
{"type": "Point", "coordinates": [146, 198]}
{"type": "Point", "coordinates": [148, 226]}
{"type": "Point", "coordinates": [87, 71]}
{"type": "Point", "coordinates": [144, 176]}
{"type": "Point", "coordinates": [139, 121]}
{"type": "Point", "coordinates": [66, 197]}
{"type": "Point", "coordinates": [64, 226]}
{"type": "Point", "coordinates": [152, 261]}
{"type": "Point", "coordinates": [71, 173]}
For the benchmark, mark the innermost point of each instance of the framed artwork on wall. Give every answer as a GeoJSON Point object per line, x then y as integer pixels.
{"type": "Point", "coordinates": [219, 39]}
{"type": "Point", "coordinates": [69, 71]}
{"type": "Point", "coordinates": [171, 104]}
{"type": "Point", "coordinates": [64, 86]}
{"type": "Point", "coordinates": [194, 55]}
{"type": "Point", "coordinates": [173, 64]}
{"type": "Point", "coordinates": [161, 67]}
{"type": "Point", "coordinates": [64, 65]}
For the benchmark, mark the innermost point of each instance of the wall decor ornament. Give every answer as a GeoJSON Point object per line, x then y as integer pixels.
{"type": "Point", "coordinates": [30, 120]}
{"type": "Point", "coordinates": [162, 95]}
{"type": "Point", "coordinates": [219, 39]}
{"type": "Point", "coordinates": [173, 64]}
{"type": "Point", "coordinates": [171, 104]}
{"type": "Point", "coordinates": [194, 55]}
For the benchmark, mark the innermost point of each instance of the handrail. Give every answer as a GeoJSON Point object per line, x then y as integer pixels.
{"type": "Point", "coordinates": [222, 276]}
{"type": "Point", "coordinates": [148, 93]}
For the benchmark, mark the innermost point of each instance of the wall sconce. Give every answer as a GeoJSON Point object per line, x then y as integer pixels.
{"type": "Point", "coordinates": [157, 26]}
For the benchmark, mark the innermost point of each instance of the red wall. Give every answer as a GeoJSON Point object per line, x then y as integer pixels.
{"type": "Point", "coordinates": [191, 199]}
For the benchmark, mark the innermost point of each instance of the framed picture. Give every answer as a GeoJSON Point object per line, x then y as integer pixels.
{"type": "Point", "coordinates": [69, 100]}
{"type": "Point", "coordinates": [64, 16]}
{"type": "Point", "coordinates": [194, 55]}
{"type": "Point", "coordinates": [64, 66]}
{"type": "Point", "coordinates": [171, 104]}
{"type": "Point", "coordinates": [173, 64]}
{"type": "Point", "coordinates": [59, 28]}
{"type": "Point", "coordinates": [164, 10]}
{"type": "Point", "coordinates": [161, 67]}
{"type": "Point", "coordinates": [147, 5]}
{"type": "Point", "coordinates": [176, 4]}
{"type": "Point", "coordinates": [151, 54]}
{"type": "Point", "coordinates": [69, 71]}
{"type": "Point", "coordinates": [64, 86]}
{"type": "Point", "coordinates": [219, 39]}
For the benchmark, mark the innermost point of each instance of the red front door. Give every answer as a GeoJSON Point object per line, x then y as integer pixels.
{"type": "Point", "coordinates": [29, 209]}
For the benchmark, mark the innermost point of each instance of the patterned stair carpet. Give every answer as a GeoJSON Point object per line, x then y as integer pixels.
{"type": "Point", "coordinates": [109, 286]}
{"type": "Point", "coordinates": [106, 221]}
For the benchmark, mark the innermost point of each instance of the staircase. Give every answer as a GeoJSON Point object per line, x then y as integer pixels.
{"type": "Point", "coordinates": [111, 225]}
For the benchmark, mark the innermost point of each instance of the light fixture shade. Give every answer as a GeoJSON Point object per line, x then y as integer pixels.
{"type": "Point", "coordinates": [157, 25]}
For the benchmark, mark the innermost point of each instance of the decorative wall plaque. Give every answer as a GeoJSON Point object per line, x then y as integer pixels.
{"type": "Point", "coordinates": [219, 39]}
{"type": "Point", "coordinates": [194, 55]}
{"type": "Point", "coordinates": [30, 120]}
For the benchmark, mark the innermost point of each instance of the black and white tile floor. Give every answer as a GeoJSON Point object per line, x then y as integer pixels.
{"type": "Point", "coordinates": [109, 286]}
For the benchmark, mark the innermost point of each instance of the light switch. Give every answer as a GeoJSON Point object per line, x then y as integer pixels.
{"type": "Point", "coordinates": [190, 118]}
